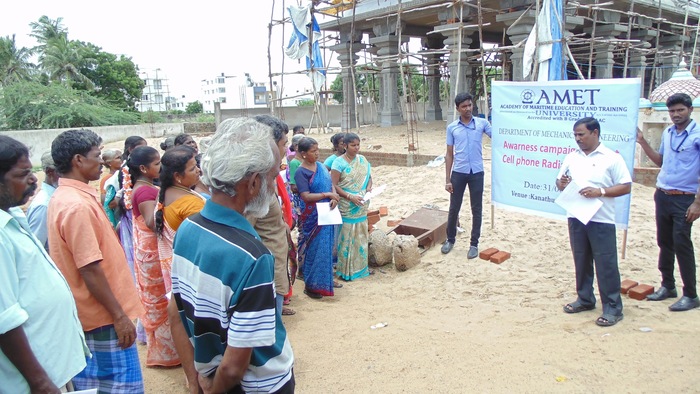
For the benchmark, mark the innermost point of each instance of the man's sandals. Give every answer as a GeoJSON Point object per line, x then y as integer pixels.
{"type": "Point", "coordinates": [577, 306]}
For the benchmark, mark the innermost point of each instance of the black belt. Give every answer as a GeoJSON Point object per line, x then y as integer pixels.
{"type": "Point", "coordinates": [674, 192]}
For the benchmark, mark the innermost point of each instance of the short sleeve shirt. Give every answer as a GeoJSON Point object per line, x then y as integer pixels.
{"type": "Point", "coordinates": [80, 234]}
{"type": "Point", "coordinates": [680, 168]}
{"type": "Point", "coordinates": [466, 140]}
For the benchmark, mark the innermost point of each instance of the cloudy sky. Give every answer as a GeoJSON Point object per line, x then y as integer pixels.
{"type": "Point", "coordinates": [188, 41]}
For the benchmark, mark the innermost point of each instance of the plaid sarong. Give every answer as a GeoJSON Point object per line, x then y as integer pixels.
{"type": "Point", "coordinates": [111, 369]}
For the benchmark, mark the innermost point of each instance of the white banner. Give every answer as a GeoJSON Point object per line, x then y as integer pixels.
{"type": "Point", "coordinates": [533, 132]}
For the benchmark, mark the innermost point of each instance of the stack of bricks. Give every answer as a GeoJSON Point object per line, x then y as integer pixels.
{"type": "Point", "coordinates": [378, 158]}
{"type": "Point", "coordinates": [494, 255]}
{"type": "Point", "coordinates": [635, 290]}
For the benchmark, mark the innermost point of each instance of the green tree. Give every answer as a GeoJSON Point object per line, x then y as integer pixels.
{"type": "Point", "coordinates": [114, 79]}
{"type": "Point", "coordinates": [14, 62]}
{"type": "Point", "coordinates": [31, 105]}
{"type": "Point", "coordinates": [194, 107]}
{"type": "Point", "coordinates": [305, 103]}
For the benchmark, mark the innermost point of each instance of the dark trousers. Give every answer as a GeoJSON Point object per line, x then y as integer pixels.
{"type": "Point", "coordinates": [460, 182]}
{"type": "Point", "coordinates": [595, 244]}
{"type": "Point", "coordinates": [673, 238]}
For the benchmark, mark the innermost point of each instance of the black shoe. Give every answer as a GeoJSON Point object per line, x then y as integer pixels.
{"type": "Point", "coordinates": [662, 294]}
{"type": "Point", "coordinates": [685, 304]}
{"type": "Point", "coordinates": [446, 247]}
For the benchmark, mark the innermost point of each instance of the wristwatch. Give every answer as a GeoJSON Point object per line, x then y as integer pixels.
{"type": "Point", "coordinates": [602, 192]}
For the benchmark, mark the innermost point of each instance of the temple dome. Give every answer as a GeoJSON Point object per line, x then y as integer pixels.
{"type": "Point", "coordinates": [682, 81]}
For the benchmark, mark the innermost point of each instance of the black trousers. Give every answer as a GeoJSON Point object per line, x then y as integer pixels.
{"type": "Point", "coordinates": [460, 182]}
{"type": "Point", "coordinates": [673, 238]}
{"type": "Point", "coordinates": [595, 245]}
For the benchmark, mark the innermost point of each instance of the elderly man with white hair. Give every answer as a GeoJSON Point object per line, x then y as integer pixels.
{"type": "Point", "coordinates": [223, 275]}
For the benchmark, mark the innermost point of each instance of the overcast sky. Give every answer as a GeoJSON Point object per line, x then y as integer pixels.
{"type": "Point", "coordinates": [188, 41]}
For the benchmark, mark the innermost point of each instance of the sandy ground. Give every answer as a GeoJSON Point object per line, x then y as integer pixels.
{"type": "Point", "coordinates": [458, 325]}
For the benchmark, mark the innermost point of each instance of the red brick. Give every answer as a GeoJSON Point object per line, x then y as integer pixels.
{"type": "Point", "coordinates": [626, 285]}
{"type": "Point", "coordinates": [486, 254]}
{"type": "Point", "coordinates": [393, 222]}
{"type": "Point", "coordinates": [372, 219]}
{"type": "Point", "coordinates": [640, 292]}
{"type": "Point", "coordinates": [500, 257]}
{"type": "Point", "coordinates": [374, 212]}
{"type": "Point", "coordinates": [383, 211]}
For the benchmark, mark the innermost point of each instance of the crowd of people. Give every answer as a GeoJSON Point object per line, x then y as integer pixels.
{"type": "Point", "coordinates": [191, 254]}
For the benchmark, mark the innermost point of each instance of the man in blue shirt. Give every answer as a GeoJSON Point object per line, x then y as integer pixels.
{"type": "Point", "coordinates": [464, 166]}
{"type": "Point", "coordinates": [38, 209]}
{"type": "Point", "coordinates": [41, 340]}
{"type": "Point", "coordinates": [677, 201]}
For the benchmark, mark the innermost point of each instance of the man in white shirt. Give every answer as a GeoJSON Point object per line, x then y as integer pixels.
{"type": "Point", "coordinates": [601, 173]}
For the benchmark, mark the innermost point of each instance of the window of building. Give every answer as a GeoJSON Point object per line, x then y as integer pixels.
{"type": "Point", "coordinates": [144, 97]}
{"type": "Point", "coordinates": [158, 98]}
{"type": "Point", "coordinates": [220, 80]}
{"type": "Point", "coordinates": [222, 90]}
{"type": "Point", "coordinates": [157, 84]}
{"type": "Point", "coordinates": [222, 99]}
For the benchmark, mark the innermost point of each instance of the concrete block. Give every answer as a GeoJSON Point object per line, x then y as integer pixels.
{"type": "Point", "coordinates": [626, 285]}
{"type": "Point", "coordinates": [499, 257]}
{"type": "Point", "coordinates": [640, 292]}
{"type": "Point", "coordinates": [486, 254]}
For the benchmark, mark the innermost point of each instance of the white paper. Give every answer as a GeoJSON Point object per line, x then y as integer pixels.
{"type": "Point", "coordinates": [326, 215]}
{"type": "Point", "coordinates": [91, 391]}
{"type": "Point", "coordinates": [578, 206]}
{"type": "Point", "coordinates": [374, 193]}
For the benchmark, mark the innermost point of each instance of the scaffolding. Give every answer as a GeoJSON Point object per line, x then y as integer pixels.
{"type": "Point", "coordinates": [579, 50]}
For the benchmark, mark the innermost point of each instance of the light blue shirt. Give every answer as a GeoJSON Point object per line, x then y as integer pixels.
{"type": "Point", "coordinates": [680, 168]}
{"type": "Point", "coordinates": [38, 211]}
{"type": "Point", "coordinates": [466, 140]}
{"type": "Point", "coordinates": [35, 296]}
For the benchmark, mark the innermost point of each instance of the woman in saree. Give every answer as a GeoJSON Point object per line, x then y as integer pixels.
{"type": "Point", "coordinates": [315, 242]}
{"type": "Point", "coordinates": [144, 167]}
{"type": "Point", "coordinates": [352, 178]}
{"type": "Point", "coordinates": [176, 201]}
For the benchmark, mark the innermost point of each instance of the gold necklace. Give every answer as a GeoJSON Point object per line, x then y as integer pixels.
{"type": "Point", "coordinates": [188, 190]}
{"type": "Point", "coordinates": [142, 181]}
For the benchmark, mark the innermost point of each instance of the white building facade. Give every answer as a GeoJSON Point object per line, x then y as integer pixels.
{"type": "Point", "coordinates": [233, 92]}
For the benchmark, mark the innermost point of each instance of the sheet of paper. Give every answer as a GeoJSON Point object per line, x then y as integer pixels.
{"type": "Point", "coordinates": [374, 193]}
{"type": "Point", "coordinates": [578, 206]}
{"type": "Point", "coordinates": [91, 391]}
{"type": "Point", "coordinates": [326, 215]}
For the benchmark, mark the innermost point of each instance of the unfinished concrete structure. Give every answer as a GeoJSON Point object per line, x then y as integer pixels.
{"type": "Point", "coordinates": [603, 39]}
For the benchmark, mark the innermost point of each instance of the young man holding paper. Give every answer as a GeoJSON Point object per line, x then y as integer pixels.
{"type": "Point", "coordinates": [600, 173]}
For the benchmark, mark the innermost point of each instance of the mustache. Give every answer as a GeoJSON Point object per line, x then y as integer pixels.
{"type": "Point", "coordinates": [30, 191]}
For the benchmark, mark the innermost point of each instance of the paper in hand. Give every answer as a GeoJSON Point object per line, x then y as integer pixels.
{"type": "Point", "coordinates": [374, 193]}
{"type": "Point", "coordinates": [326, 215]}
{"type": "Point", "coordinates": [578, 206]}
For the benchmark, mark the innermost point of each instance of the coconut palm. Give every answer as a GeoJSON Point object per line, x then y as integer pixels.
{"type": "Point", "coordinates": [46, 30]}
{"type": "Point", "coordinates": [14, 62]}
{"type": "Point", "coordinates": [63, 59]}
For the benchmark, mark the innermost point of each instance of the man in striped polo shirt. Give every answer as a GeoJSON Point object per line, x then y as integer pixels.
{"type": "Point", "coordinates": [223, 276]}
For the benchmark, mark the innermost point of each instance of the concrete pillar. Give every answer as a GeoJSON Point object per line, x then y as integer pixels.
{"type": "Point", "coordinates": [604, 57]}
{"type": "Point", "coordinates": [433, 110]}
{"type": "Point", "coordinates": [347, 56]}
{"type": "Point", "coordinates": [669, 56]}
{"type": "Point", "coordinates": [388, 45]}
{"type": "Point", "coordinates": [638, 59]}
{"type": "Point", "coordinates": [518, 33]}
{"type": "Point", "coordinates": [462, 81]}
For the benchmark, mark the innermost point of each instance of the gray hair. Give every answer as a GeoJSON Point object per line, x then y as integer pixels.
{"type": "Point", "coordinates": [47, 161]}
{"type": "Point", "coordinates": [240, 148]}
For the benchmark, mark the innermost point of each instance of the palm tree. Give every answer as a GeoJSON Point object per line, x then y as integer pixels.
{"type": "Point", "coordinates": [46, 30]}
{"type": "Point", "coordinates": [14, 62]}
{"type": "Point", "coordinates": [63, 59]}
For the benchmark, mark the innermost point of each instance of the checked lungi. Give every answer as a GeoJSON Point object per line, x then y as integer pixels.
{"type": "Point", "coordinates": [111, 369]}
